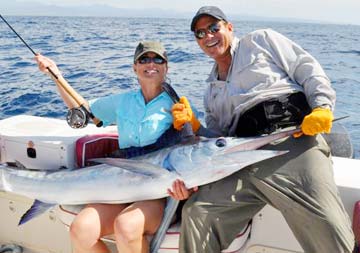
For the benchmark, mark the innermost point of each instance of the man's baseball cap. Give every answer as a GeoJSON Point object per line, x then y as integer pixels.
{"type": "Point", "coordinates": [150, 46]}
{"type": "Point", "coordinates": [212, 11]}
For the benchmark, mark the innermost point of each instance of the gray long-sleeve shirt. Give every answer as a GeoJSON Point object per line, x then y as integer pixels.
{"type": "Point", "coordinates": [265, 65]}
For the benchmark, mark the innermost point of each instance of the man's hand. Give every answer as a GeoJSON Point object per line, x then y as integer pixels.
{"type": "Point", "coordinates": [318, 121]}
{"type": "Point", "coordinates": [179, 190]}
{"type": "Point", "coordinates": [182, 114]}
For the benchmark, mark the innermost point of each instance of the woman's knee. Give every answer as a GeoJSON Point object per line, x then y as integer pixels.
{"type": "Point", "coordinates": [84, 231]}
{"type": "Point", "coordinates": [129, 228]}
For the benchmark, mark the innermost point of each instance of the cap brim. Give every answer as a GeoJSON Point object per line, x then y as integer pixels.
{"type": "Point", "coordinates": [196, 19]}
{"type": "Point", "coordinates": [150, 51]}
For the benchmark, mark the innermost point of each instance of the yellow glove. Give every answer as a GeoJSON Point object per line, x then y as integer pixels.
{"type": "Point", "coordinates": [182, 114]}
{"type": "Point", "coordinates": [318, 121]}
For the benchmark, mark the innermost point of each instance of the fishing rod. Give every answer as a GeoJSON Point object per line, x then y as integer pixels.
{"type": "Point", "coordinates": [76, 117]}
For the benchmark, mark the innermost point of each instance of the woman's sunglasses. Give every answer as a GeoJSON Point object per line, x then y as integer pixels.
{"type": "Point", "coordinates": [213, 28]}
{"type": "Point", "coordinates": [147, 60]}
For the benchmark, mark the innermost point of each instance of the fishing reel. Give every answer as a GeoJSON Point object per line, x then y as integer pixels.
{"type": "Point", "coordinates": [77, 117]}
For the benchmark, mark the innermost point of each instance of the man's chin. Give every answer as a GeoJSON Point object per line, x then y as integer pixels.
{"type": "Point", "coordinates": [213, 53]}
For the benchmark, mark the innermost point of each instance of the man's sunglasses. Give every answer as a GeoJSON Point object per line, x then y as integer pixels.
{"type": "Point", "coordinates": [213, 28]}
{"type": "Point", "coordinates": [147, 60]}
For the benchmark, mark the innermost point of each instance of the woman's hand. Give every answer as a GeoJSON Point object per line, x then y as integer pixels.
{"type": "Point", "coordinates": [44, 63]}
{"type": "Point", "coordinates": [179, 190]}
{"type": "Point", "coordinates": [182, 114]}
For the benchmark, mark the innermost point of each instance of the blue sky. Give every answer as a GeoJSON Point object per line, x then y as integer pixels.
{"type": "Point", "coordinates": [334, 11]}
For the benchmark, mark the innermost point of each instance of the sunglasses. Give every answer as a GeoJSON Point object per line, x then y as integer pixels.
{"type": "Point", "coordinates": [213, 28]}
{"type": "Point", "coordinates": [147, 60]}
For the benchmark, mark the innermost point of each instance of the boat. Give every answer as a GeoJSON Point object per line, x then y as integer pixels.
{"type": "Point", "coordinates": [39, 142]}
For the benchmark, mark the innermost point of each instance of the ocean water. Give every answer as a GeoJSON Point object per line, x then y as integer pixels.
{"type": "Point", "coordinates": [95, 56]}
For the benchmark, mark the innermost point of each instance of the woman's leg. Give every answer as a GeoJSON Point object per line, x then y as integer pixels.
{"type": "Point", "coordinates": [93, 222]}
{"type": "Point", "coordinates": [135, 222]}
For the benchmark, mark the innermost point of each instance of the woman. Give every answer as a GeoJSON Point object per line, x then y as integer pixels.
{"type": "Point", "coordinates": [142, 116]}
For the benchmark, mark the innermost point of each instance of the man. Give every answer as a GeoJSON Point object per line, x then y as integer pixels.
{"type": "Point", "coordinates": [259, 84]}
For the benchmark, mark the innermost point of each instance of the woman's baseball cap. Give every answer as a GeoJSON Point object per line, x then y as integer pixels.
{"type": "Point", "coordinates": [150, 46]}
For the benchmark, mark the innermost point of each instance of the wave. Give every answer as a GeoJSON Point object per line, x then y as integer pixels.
{"type": "Point", "coordinates": [356, 52]}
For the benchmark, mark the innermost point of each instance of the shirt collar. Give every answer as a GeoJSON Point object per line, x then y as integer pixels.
{"type": "Point", "coordinates": [140, 98]}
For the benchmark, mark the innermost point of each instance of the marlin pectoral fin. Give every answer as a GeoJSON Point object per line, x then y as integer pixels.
{"type": "Point", "coordinates": [35, 210]}
{"type": "Point", "coordinates": [135, 166]}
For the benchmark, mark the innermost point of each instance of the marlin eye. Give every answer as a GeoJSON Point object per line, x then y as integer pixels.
{"type": "Point", "coordinates": [221, 142]}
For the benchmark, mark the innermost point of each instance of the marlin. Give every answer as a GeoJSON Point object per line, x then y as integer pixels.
{"type": "Point", "coordinates": [146, 177]}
